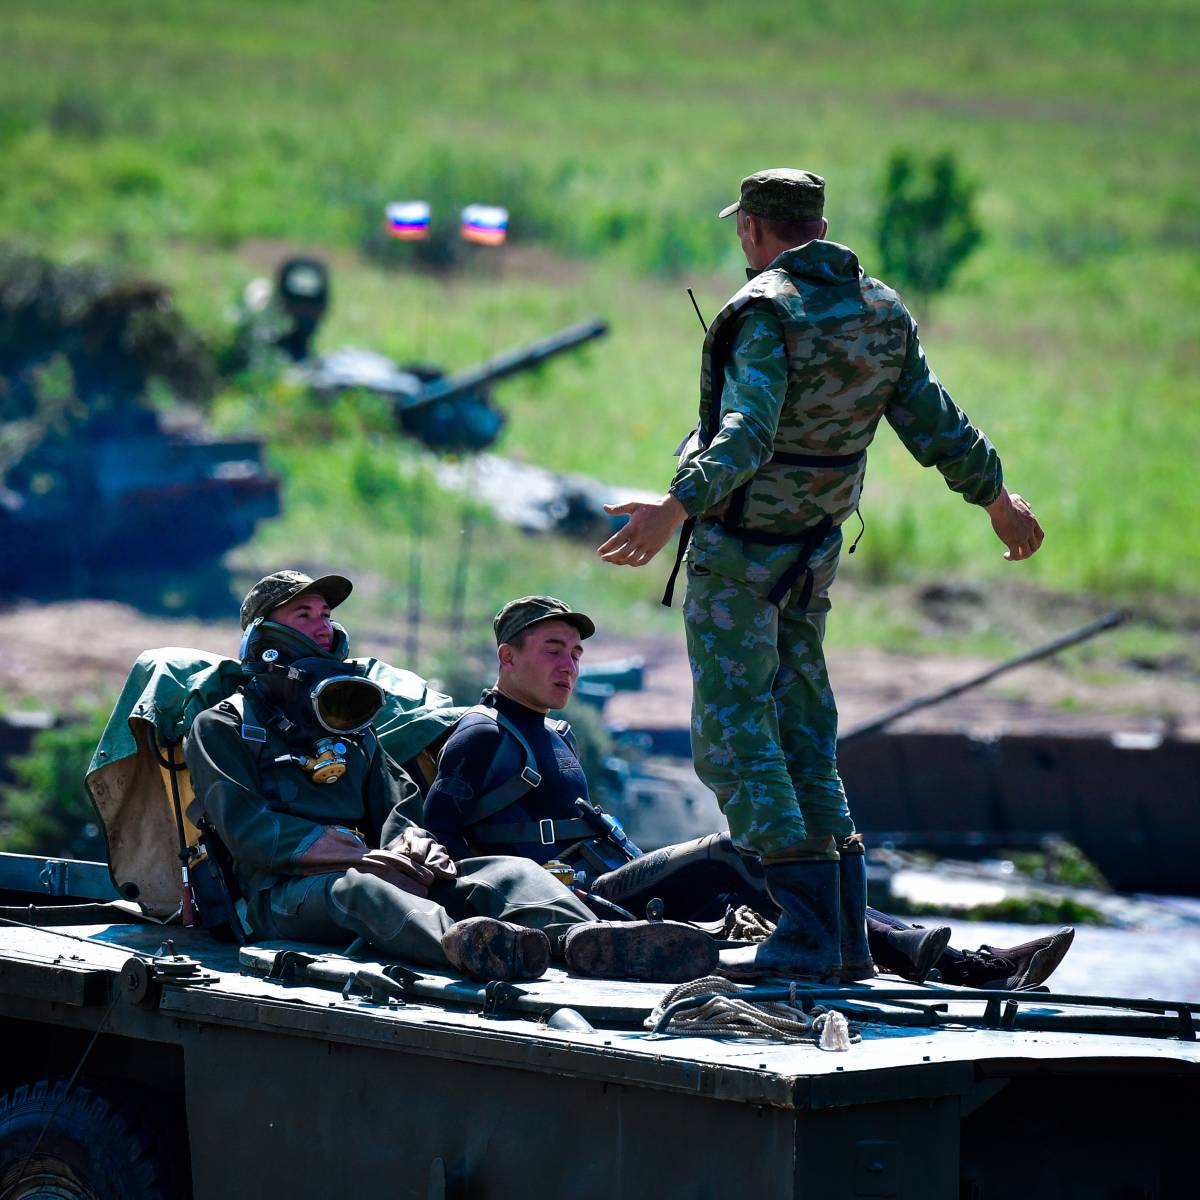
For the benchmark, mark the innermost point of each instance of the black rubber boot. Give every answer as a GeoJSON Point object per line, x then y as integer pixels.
{"type": "Point", "coordinates": [910, 953]}
{"type": "Point", "coordinates": [1007, 969]}
{"type": "Point", "coordinates": [485, 949]}
{"type": "Point", "coordinates": [806, 943]}
{"type": "Point", "coordinates": [664, 951]}
{"type": "Point", "coordinates": [852, 877]}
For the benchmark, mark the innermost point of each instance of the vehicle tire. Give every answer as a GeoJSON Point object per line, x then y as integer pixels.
{"type": "Point", "coordinates": [89, 1151]}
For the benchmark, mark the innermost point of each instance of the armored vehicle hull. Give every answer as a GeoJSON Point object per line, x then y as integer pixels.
{"type": "Point", "coordinates": [291, 1071]}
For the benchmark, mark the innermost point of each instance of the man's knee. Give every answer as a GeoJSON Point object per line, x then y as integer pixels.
{"type": "Point", "coordinates": [377, 909]}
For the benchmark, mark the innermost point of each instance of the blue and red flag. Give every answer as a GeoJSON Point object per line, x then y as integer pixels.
{"type": "Point", "coordinates": [485, 224]}
{"type": "Point", "coordinates": [408, 220]}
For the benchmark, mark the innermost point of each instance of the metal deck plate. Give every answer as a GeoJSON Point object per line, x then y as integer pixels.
{"type": "Point", "coordinates": [891, 1059]}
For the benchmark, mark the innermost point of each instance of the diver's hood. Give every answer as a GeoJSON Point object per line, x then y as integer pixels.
{"type": "Point", "coordinates": [310, 685]}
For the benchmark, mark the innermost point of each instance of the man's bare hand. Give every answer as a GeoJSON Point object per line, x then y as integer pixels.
{"type": "Point", "coordinates": [647, 531]}
{"type": "Point", "coordinates": [1015, 525]}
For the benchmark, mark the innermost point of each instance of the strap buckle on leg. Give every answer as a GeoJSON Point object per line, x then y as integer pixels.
{"type": "Point", "coordinates": [546, 831]}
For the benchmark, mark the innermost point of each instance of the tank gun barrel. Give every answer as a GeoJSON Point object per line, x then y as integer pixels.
{"type": "Point", "coordinates": [886, 718]}
{"type": "Point", "coordinates": [511, 362]}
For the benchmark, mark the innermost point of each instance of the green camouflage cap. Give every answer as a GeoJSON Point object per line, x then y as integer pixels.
{"type": "Point", "coordinates": [528, 610]}
{"type": "Point", "coordinates": [281, 586]}
{"type": "Point", "coordinates": [781, 194]}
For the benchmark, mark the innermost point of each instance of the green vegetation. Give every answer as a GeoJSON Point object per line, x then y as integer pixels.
{"type": "Point", "coordinates": [1017, 910]}
{"type": "Point", "coordinates": [1037, 910]}
{"type": "Point", "coordinates": [927, 225]}
{"type": "Point", "coordinates": [200, 141]}
{"type": "Point", "coordinates": [46, 810]}
{"type": "Point", "coordinates": [1061, 863]}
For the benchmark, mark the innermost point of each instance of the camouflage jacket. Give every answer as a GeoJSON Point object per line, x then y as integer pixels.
{"type": "Point", "coordinates": [804, 360]}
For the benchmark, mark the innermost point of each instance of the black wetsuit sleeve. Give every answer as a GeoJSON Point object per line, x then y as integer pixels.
{"type": "Point", "coordinates": [462, 770]}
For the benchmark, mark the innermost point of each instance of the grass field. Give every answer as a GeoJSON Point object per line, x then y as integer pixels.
{"type": "Point", "coordinates": [200, 140]}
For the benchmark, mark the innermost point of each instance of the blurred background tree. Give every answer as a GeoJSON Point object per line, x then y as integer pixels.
{"type": "Point", "coordinates": [927, 226]}
{"type": "Point", "coordinates": [46, 810]}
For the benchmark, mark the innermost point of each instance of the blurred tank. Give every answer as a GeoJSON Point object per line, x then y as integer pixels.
{"type": "Point", "coordinates": [448, 413]}
{"type": "Point", "coordinates": [123, 492]}
{"type": "Point", "coordinates": [92, 479]}
{"type": "Point", "coordinates": [451, 414]}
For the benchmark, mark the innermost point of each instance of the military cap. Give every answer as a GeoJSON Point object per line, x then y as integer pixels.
{"type": "Point", "coordinates": [781, 194]}
{"type": "Point", "coordinates": [281, 586]}
{"type": "Point", "coordinates": [519, 614]}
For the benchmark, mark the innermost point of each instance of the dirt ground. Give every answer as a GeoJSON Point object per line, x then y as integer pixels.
{"type": "Point", "coordinates": [61, 656]}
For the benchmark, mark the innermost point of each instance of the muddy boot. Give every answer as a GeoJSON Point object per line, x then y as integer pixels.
{"type": "Point", "coordinates": [852, 878]}
{"type": "Point", "coordinates": [665, 951]}
{"type": "Point", "coordinates": [486, 949]}
{"type": "Point", "coordinates": [1000, 969]}
{"type": "Point", "coordinates": [910, 953]}
{"type": "Point", "coordinates": [807, 938]}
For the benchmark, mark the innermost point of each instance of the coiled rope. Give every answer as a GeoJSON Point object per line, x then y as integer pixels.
{"type": "Point", "coordinates": [743, 924]}
{"type": "Point", "coordinates": [727, 1014]}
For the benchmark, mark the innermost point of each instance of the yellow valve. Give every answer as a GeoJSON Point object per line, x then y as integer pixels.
{"type": "Point", "coordinates": [328, 763]}
{"type": "Point", "coordinates": [563, 872]}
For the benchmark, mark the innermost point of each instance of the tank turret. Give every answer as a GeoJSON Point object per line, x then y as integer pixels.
{"type": "Point", "coordinates": [446, 412]}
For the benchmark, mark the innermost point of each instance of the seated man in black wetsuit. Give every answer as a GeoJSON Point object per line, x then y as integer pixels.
{"type": "Point", "coordinates": [509, 782]}
{"type": "Point", "coordinates": [508, 776]}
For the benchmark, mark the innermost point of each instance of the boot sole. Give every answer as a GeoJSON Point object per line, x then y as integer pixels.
{"type": "Point", "coordinates": [933, 945]}
{"type": "Point", "coordinates": [484, 949]}
{"type": "Point", "coordinates": [663, 951]}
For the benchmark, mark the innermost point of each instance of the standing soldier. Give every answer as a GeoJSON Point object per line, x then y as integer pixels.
{"type": "Point", "coordinates": [796, 371]}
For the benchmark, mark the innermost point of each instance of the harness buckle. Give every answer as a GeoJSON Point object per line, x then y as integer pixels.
{"type": "Point", "coordinates": [530, 776]}
{"type": "Point", "coordinates": [546, 831]}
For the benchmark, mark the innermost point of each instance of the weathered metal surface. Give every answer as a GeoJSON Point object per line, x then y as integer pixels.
{"type": "Point", "coordinates": [1133, 809]}
{"type": "Point", "coordinates": [40, 876]}
{"type": "Point", "coordinates": [357, 1093]}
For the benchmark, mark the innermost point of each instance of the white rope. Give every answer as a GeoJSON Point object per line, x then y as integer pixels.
{"type": "Point", "coordinates": [833, 1031]}
{"type": "Point", "coordinates": [728, 1015]}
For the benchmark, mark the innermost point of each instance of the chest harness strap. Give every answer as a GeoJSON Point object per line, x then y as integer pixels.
{"type": "Point", "coordinates": [807, 541]}
{"type": "Point", "coordinates": [499, 833]}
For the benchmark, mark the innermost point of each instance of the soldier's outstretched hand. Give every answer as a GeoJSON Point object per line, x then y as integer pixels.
{"type": "Point", "coordinates": [1015, 525]}
{"type": "Point", "coordinates": [647, 531]}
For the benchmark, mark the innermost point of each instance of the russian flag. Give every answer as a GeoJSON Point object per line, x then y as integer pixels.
{"type": "Point", "coordinates": [486, 224]}
{"type": "Point", "coordinates": [408, 220]}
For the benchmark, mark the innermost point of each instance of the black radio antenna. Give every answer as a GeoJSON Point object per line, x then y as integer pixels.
{"type": "Point", "coordinates": [703, 322]}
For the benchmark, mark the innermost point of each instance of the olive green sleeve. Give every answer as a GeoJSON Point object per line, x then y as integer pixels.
{"type": "Point", "coordinates": [391, 792]}
{"type": "Point", "coordinates": [937, 433]}
{"type": "Point", "coordinates": [224, 771]}
{"type": "Point", "coordinates": [752, 394]}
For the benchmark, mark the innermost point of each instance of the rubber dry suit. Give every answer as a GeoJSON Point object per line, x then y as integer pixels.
{"type": "Point", "coordinates": [328, 858]}
{"type": "Point", "coordinates": [165, 690]}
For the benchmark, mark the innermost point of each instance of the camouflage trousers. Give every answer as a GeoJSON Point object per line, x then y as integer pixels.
{"type": "Point", "coordinates": [764, 721]}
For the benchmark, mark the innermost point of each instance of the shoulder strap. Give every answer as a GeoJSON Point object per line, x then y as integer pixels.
{"type": "Point", "coordinates": [250, 729]}
{"type": "Point", "coordinates": [563, 730]}
{"type": "Point", "coordinates": [512, 789]}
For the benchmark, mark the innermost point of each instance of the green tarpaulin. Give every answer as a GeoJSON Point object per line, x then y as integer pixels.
{"type": "Point", "coordinates": [165, 690]}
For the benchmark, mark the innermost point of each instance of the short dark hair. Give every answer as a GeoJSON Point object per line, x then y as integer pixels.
{"type": "Point", "coordinates": [795, 233]}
